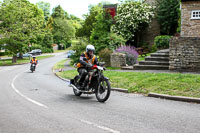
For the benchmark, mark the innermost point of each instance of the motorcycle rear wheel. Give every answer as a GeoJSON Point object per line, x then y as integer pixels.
{"type": "Point", "coordinates": [76, 79]}
{"type": "Point", "coordinates": [103, 91]}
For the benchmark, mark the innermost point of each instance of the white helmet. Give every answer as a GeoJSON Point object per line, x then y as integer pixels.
{"type": "Point", "coordinates": [90, 48]}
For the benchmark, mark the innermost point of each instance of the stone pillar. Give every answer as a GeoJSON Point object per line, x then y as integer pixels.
{"type": "Point", "coordinates": [118, 60]}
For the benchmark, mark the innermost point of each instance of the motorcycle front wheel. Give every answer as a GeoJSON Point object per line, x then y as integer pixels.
{"type": "Point", "coordinates": [32, 69]}
{"type": "Point", "coordinates": [76, 82]}
{"type": "Point", "coordinates": [103, 91]}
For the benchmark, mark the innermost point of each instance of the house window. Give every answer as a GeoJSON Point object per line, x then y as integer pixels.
{"type": "Point", "coordinates": [195, 14]}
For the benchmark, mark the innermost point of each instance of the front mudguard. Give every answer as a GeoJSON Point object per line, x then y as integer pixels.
{"type": "Point", "coordinates": [72, 81]}
{"type": "Point", "coordinates": [103, 78]}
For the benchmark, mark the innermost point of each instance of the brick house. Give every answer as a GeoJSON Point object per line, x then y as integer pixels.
{"type": "Point", "coordinates": [185, 50]}
{"type": "Point", "coordinates": [190, 14]}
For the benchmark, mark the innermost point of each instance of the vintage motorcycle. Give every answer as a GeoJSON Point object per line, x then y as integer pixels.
{"type": "Point", "coordinates": [97, 83]}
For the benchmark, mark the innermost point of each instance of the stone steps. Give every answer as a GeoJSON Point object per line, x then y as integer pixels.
{"type": "Point", "coordinates": [159, 55]}
{"type": "Point", "coordinates": [157, 58]}
{"type": "Point", "coordinates": [127, 68]}
{"type": "Point", "coordinates": [150, 67]}
{"type": "Point", "coordinates": [163, 51]}
{"type": "Point", "coordinates": [153, 63]}
{"type": "Point", "coordinates": [156, 61]}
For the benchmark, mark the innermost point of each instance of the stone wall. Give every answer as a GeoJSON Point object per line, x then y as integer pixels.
{"type": "Point", "coordinates": [185, 54]}
{"type": "Point", "coordinates": [118, 60]}
{"type": "Point", "coordinates": [189, 27]}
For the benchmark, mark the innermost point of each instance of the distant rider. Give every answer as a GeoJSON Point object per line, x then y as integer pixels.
{"type": "Point", "coordinates": [34, 61]}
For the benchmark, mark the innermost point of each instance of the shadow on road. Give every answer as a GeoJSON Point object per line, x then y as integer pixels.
{"type": "Point", "coordinates": [82, 98]}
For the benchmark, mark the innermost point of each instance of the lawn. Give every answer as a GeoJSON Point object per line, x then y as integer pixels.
{"type": "Point", "coordinates": [60, 51]}
{"type": "Point", "coordinates": [141, 58]}
{"type": "Point", "coordinates": [141, 82]}
{"type": "Point", "coordinates": [59, 64]}
{"type": "Point", "coordinates": [21, 61]}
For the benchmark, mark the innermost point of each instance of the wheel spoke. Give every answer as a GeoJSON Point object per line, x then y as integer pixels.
{"type": "Point", "coordinates": [103, 86]}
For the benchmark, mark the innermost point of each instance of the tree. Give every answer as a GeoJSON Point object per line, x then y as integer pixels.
{"type": "Point", "coordinates": [58, 12]}
{"type": "Point", "coordinates": [21, 21]}
{"type": "Point", "coordinates": [102, 25]}
{"type": "Point", "coordinates": [168, 15]}
{"type": "Point", "coordinates": [76, 22]}
{"type": "Point", "coordinates": [132, 16]}
{"type": "Point", "coordinates": [63, 31]}
{"type": "Point", "coordinates": [48, 39]}
{"type": "Point", "coordinates": [101, 30]}
{"type": "Point", "coordinates": [45, 6]}
{"type": "Point", "coordinates": [62, 28]}
{"type": "Point", "coordinates": [90, 19]}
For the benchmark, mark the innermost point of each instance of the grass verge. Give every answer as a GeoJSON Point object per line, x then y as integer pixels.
{"type": "Point", "coordinates": [141, 82]}
{"type": "Point", "coordinates": [8, 62]}
{"type": "Point", "coordinates": [60, 51]}
{"type": "Point", "coordinates": [60, 64]}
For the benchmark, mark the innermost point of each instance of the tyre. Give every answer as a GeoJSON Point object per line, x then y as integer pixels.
{"type": "Point", "coordinates": [103, 91]}
{"type": "Point", "coordinates": [32, 69]}
{"type": "Point", "coordinates": [76, 79]}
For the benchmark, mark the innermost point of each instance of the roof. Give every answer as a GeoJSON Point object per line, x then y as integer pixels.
{"type": "Point", "coordinates": [110, 6]}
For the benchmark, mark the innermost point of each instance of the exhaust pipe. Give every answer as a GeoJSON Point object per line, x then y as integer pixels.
{"type": "Point", "coordinates": [74, 87]}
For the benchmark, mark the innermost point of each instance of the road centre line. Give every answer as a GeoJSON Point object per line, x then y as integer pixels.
{"type": "Point", "coordinates": [27, 98]}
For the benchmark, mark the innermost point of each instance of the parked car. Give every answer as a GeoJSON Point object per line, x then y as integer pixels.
{"type": "Point", "coordinates": [36, 52]}
{"type": "Point", "coordinates": [70, 53]}
{"type": "Point", "coordinates": [25, 55]}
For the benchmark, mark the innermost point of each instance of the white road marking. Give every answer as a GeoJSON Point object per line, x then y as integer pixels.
{"type": "Point", "coordinates": [101, 127]}
{"type": "Point", "coordinates": [27, 98]}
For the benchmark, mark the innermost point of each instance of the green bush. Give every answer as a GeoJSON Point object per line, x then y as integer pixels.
{"type": "Point", "coordinates": [36, 46]}
{"type": "Point", "coordinates": [47, 50]}
{"type": "Point", "coordinates": [162, 42]}
{"type": "Point", "coordinates": [153, 48]}
{"type": "Point", "coordinates": [2, 53]}
{"type": "Point", "coordinates": [110, 41]}
{"type": "Point", "coordinates": [104, 56]}
{"type": "Point", "coordinates": [68, 44]}
{"type": "Point", "coordinates": [79, 47]}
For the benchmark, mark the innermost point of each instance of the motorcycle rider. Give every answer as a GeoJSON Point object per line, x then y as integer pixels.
{"type": "Point", "coordinates": [87, 59]}
{"type": "Point", "coordinates": [34, 61]}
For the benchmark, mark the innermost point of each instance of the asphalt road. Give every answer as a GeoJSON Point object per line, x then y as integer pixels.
{"type": "Point", "coordinates": [40, 102]}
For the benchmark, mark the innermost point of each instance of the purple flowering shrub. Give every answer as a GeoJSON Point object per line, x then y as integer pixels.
{"type": "Point", "coordinates": [130, 52]}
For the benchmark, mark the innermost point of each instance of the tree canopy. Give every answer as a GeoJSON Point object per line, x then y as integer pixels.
{"type": "Point", "coordinates": [168, 15]}
{"type": "Point", "coordinates": [45, 6]}
{"type": "Point", "coordinates": [21, 21]}
{"type": "Point", "coordinates": [132, 16]}
{"type": "Point", "coordinates": [90, 19]}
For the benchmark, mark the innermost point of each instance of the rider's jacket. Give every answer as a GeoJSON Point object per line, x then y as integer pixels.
{"type": "Point", "coordinates": [93, 60]}
{"type": "Point", "coordinates": [34, 61]}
